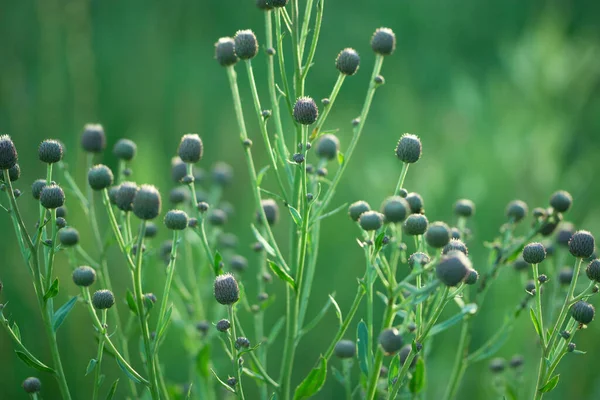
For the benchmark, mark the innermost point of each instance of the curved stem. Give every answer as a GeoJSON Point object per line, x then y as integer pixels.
{"type": "Point", "coordinates": [402, 178]}
{"type": "Point", "coordinates": [325, 113]}
{"type": "Point", "coordinates": [99, 357]}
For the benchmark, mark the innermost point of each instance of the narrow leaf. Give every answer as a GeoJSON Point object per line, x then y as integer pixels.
{"type": "Point", "coordinates": [112, 391]}
{"type": "Point", "coordinates": [263, 241]}
{"type": "Point", "coordinates": [62, 313]}
{"type": "Point", "coordinates": [16, 330]}
{"type": "Point", "coordinates": [295, 216]}
{"type": "Point", "coordinates": [217, 267]}
{"type": "Point", "coordinates": [52, 290]}
{"type": "Point", "coordinates": [393, 371]}
{"type": "Point", "coordinates": [338, 312]}
{"type": "Point", "coordinates": [338, 375]}
{"type": "Point", "coordinates": [34, 363]}
{"type": "Point", "coordinates": [363, 345]}
{"type": "Point", "coordinates": [131, 302]}
{"type": "Point", "coordinates": [467, 310]}
{"type": "Point", "coordinates": [225, 385]}
{"type": "Point", "coordinates": [340, 157]}
{"type": "Point", "coordinates": [550, 385]}
{"type": "Point", "coordinates": [129, 374]}
{"type": "Point", "coordinates": [332, 212]}
{"type": "Point", "coordinates": [536, 323]}
{"type": "Point", "coordinates": [261, 174]}
{"type": "Point", "coordinates": [315, 321]}
{"type": "Point", "coordinates": [417, 382]}
{"type": "Point", "coordinates": [313, 382]}
{"type": "Point", "coordinates": [90, 367]}
{"type": "Point", "coordinates": [284, 276]}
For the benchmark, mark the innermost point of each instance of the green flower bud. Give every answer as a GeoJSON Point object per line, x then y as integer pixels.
{"type": "Point", "coordinates": [347, 61]}
{"type": "Point", "coordinates": [409, 148]}
{"type": "Point", "coordinates": [357, 209]}
{"type": "Point", "coordinates": [32, 385]}
{"type": "Point", "coordinates": [93, 139]}
{"type": "Point", "coordinates": [103, 299]}
{"type": "Point", "coordinates": [176, 220]}
{"type": "Point", "coordinates": [264, 4]}
{"type": "Point", "coordinates": [437, 235]}
{"type": "Point", "coordinates": [564, 233]}
{"type": "Point", "coordinates": [395, 209]}
{"type": "Point", "coordinates": [534, 253]}
{"type": "Point", "coordinates": [390, 340]}
{"type": "Point", "coordinates": [561, 201]}
{"type": "Point", "coordinates": [52, 197]}
{"type": "Point", "coordinates": [453, 268]}
{"type": "Point", "coordinates": [517, 361]}
{"type": "Point", "coordinates": [383, 41]}
{"type": "Point", "coordinates": [593, 270]}
{"type": "Point", "coordinates": [345, 349]}
{"type": "Point", "coordinates": [226, 289]}
{"type": "Point", "coordinates": [84, 276]}
{"type": "Point", "coordinates": [328, 147]}
{"type": "Point", "coordinates": [50, 151]}
{"type": "Point", "coordinates": [61, 212]}
{"type": "Point", "coordinates": [125, 195]}
{"type": "Point", "coordinates": [125, 149]}
{"type": "Point", "coordinates": [456, 244]}
{"type": "Point", "coordinates": [36, 188]}
{"type": "Point", "coordinates": [190, 148]}
{"type": "Point", "coordinates": [179, 195]}
{"type": "Point", "coordinates": [464, 208]}
{"type": "Point", "coordinates": [583, 312]}
{"type": "Point", "coordinates": [8, 153]}
{"type": "Point", "coordinates": [271, 210]}
{"type": "Point", "coordinates": [68, 237]}
{"type": "Point", "coordinates": [225, 51]}
{"type": "Point", "coordinates": [100, 177]}
{"type": "Point", "coordinates": [246, 45]}
{"type": "Point", "coordinates": [516, 210]}
{"type": "Point", "coordinates": [415, 201]}
{"type": "Point", "coordinates": [371, 220]}
{"type": "Point", "coordinates": [217, 217]}
{"type": "Point", "coordinates": [415, 224]}
{"type": "Point", "coordinates": [582, 244]}
{"type": "Point", "coordinates": [147, 203]}
{"type": "Point", "coordinates": [305, 111]}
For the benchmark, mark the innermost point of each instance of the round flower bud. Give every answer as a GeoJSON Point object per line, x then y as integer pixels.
{"type": "Point", "coordinates": [100, 177]}
{"type": "Point", "coordinates": [36, 188]}
{"type": "Point", "coordinates": [217, 217]}
{"type": "Point", "coordinates": [179, 195]}
{"type": "Point", "coordinates": [583, 312]}
{"type": "Point", "coordinates": [222, 173]}
{"type": "Point", "coordinates": [517, 361]}
{"type": "Point", "coordinates": [93, 139]}
{"type": "Point", "coordinates": [530, 286]}
{"type": "Point", "coordinates": [32, 385]}
{"type": "Point", "coordinates": [593, 270]}
{"type": "Point", "coordinates": [565, 276]}
{"type": "Point", "coordinates": [383, 41]}
{"type": "Point", "coordinates": [52, 197]}
{"type": "Point", "coordinates": [223, 325]}
{"type": "Point", "coordinates": [264, 4]}
{"type": "Point", "coordinates": [456, 244]}
{"type": "Point", "coordinates": [539, 212]}
{"type": "Point", "coordinates": [358, 208]}
{"type": "Point", "coordinates": [564, 234]}
{"type": "Point", "coordinates": [278, 3]}
{"type": "Point", "coordinates": [455, 233]}
{"type": "Point", "coordinates": [61, 222]}
{"type": "Point", "coordinates": [497, 365]}
{"type": "Point", "coordinates": [14, 173]}
{"type": "Point", "coordinates": [225, 51]}
{"type": "Point", "coordinates": [534, 253]}
{"type": "Point", "coordinates": [305, 111]}
{"type": "Point", "coordinates": [50, 151]}
{"type": "Point", "coordinates": [84, 276]}
{"type": "Point", "coordinates": [68, 237]}
{"type": "Point", "coordinates": [238, 263]}
{"type": "Point", "coordinates": [190, 148]}
{"type": "Point", "coordinates": [415, 224]}
{"type": "Point", "coordinates": [561, 201]}
{"type": "Point", "coordinates": [8, 152]}
{"type": "Point", "coordinates": [403, 354]}
{"type": "Point", "coordinates": [125, 149]}
{"type": "Point", "coordinates": [246, 45]}
{"type": "Point", "coordinates": [242, 342]}
{"type": "Point", "coordinates": [395, 209]}
{"type": "Point", "coordinates": [271, 210]}
{"type": "Point", "coordinates": [464, 208]}
{"type": "Point", "coordinates": [345, 349]}
{"type": "Point", "coordinates": [437, 235]}
{"type": "Point", "coordinates": [146, 204]}
{"type": "Point", "coordinates": [328, 147]}
{"type": "Point", "coordinates": [61, 212]}
{"type": "Point", "coordinates": [178, 169]}
{"type": "Point", "coordinates": [418, 260]}
{"type": "Point", "coordinates": [347, 61]}
{"type": "Point", "coordinates": [516, 210]}
{"type": "Point", "coordinates": [415, 201]}
{"type": "Point", "coordinates": [202, 327]}
{"type": "Point", "coordinates": [582, 244]}
{"type": "Point", "coordinates": [371, 220]}
{"type": "Point", "coordinates": [520, 264]}
{"type": "Point", "coordinates": [151, 230]}
{"type": "Point", "coordinates": [176, 220]}
{"type": "Point", "coordinates": [103, 299]}
{"type": "Point", "coordinates": [409, 148]}
{"type": "Point", "coordinates": [453, 268]}
{"type": "Point", "coordinates": [390, 340]}
{"type": "Point", "coordinates": [549, 225]}
{"type": "Point", "coordinates": [472, 277]}
{"type": "Point", "coordinates": [125, 195]}
{"type": "Point", "coordinates": [226, 289]}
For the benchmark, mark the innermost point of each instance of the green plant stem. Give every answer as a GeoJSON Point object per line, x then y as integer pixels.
{"type": "Point", "coordinates": [347, 366]}
{"type": "Point", "coordinates": [460, 366]}
{"type": "Point", "coordinates": [315, 40]}
{"type": "Point", "coordinates": [402, 178]}
{"type": "Point", "coordinates": [97, 371]}
{"type": "Point", "coordinates": [115, 228]}
{"type": "Point", "coordinates": [305, 25]}
{"type": "Point", "coordinates": [355, 137]}
{"type": "Point", "coordinates": [281, 61]}
{"type": "Point", "coordinates": [202, 231]}
{"type": "Point", "coordinates": [237, 371]}
{"type": "Point", "coordinates": [374, 370]}
{"type": "Point", "coordinates": [161, 324]}
{"type": "Point", "coordinates": [538, 298]}
{"type": "Point", "coordinates": [263, 129]}
{"type": "Point", "coordinates": [139, 297]}
{"type": "Point", "coordinates": [325, 113]}
{"type": "Point", "coordinates": [259, 320]}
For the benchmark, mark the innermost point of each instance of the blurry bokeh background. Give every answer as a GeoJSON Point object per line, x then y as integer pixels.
{"type": "Point", "coordinates": [504, 96]}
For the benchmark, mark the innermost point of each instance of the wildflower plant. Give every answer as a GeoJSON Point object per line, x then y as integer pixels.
{"type": "Point", "coordinates": [417, 267]}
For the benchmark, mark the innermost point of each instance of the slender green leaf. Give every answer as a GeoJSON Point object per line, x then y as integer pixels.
{"type": "Point", "coordinates": [34, 363]}
{"type": "Point", "coordinates": [295, 215]}
{"type": "Point", "coordinates": [393, 371]}
{"type": "Point", "coordinates": [550, 385]}
{"type": "Point", "coordinates": [263, 241]}
{"type": "Point", "coordinates": [338, 375]}
{"type": "Point", "coordinates": [16, 330]}
{"type": "Point", "coordinates": [284, 276]}
{"type": "Point", "coordinates": [253, 375]}
{"type": "Point", "coordinates": [536, 323]}
{"type": "Point", "coordinates": [225, 385]}
{"type": "Point", "coordinates": [165, 323]}
{"type": "Point", "coordinates": [90, 367]}
{"type": "Point", "coordinates": [313, 382]}
{"type": "Point", "coordinates": [217, 266]}
{"type": "Point", "coordinates": [52, 290]}
{"type": "Point", "coordinates": [338, 311]}
{"type": "Point", "coordinates": [112, 391]}
{"type": "Point", "coordinates": [62, 313]}
{"type": "Point", "coordinates": [578, 352]}
{"type": "Point", "coordinates": [261, 174]}
{"type": "Point", "coordinates": [363, 346]}
{"type": "Point", "coordinates": [203, 361]}
{"type": "Point", "coordinates": [131, 302]}
{"type": "Point", "coordinates": [333, 212]}
{"type": "Point", "coordinates": [491, 346]}
{"type": "Point", "coordinates": [340, 158]}
{"type": "Point", "coordinates": [315, 321]}
{"type": "Point", "coordinates": [467, 310]}
{"type": "Point", "coordinates": [417, 382]}
{"type": "Point", "coordinates": [126, 371]}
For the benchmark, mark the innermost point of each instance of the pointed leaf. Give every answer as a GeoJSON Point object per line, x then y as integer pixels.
{"type": "Point", "coordinates": [536, 323]}
{"type": "Point", "coordinates": [225, 385]}
{"type": "Point", "coordinates": [263, 241]}
{"type": "Point", "coordinates": [467, 310]}
{"type": "Point", "coordinates": [112, 391]}
{"type": "Point", "coordinates": [363, 346]}
{"type": "Point", "coordinates": [34, 363]}
{"type": "Point", "coordinates": [131, 302]}
{"type": "Point", "coordinates": [313, 382]}
{"type": "Point", "coordinates": [338, 311]}
{"type": "Point", "coordinates": [338, 376]}
{"type": "Point", "coordinates": [295, 216]}
{"type": "Point", "coordinates": [52, 290]}
{"type": "Point", "coordinates": [284, 276]}
{"type": "Point", "coordinates": [315, 321]}
{"type": "Point", "coordinates": [393, 371]}
{"type": "Point", "coordinates": [90, 367]}
{"type": "Point", "coordinates": [261, 174]}
{"type": "Point", "coordinates": [417, 382]}
{"type": "Point", "coordinates": [129, 374]}
{"type": "Point", "coordinates": [62, 313]}
{"type": "Point", "coordinates": [340, 157]}
{"type": "Point", "coordinates": [550, 385]}
{"type": "Point", "coordinates": [16, 330]}
{"type": "Point", "coordinates": [217, 267]}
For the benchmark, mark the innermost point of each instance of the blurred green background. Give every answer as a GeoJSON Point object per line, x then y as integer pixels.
{"type": "Point", "coordinates": [503, 94]}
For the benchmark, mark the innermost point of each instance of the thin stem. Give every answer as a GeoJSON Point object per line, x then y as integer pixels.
{"type": "Point", "coordinates": [315, 39]}
{"type": "Point", "coordinates": [538, 297]}
{"type": "Point", "coordinates": [327, 108]}
{"type": "Point", "coordinates": [115, 228]}
{"type": "Point", "coordinates": [460, 366]}
{"type": "Point", "coordinates": [374, 375]}
{"type": "Point", "coordinates": [402, 178]}
{"type": "Point", "coordinates": [347, 365]}
{"type": "Point", "coordinates": [167, 290]}
{"type": "Point", "coordinates": [342, 329]}
{"type": "Point", "coordinates": [237, 370]}
{"type": "Point", "coordinates": [203, 237]}
{"type": "Point", "coordinates": [281, 59]}
{"type": "Point", "coordinates": [97, 372]}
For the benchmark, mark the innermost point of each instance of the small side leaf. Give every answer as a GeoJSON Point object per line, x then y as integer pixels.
{"type": "Point", "coordinates": [131, 302]}
{"type": "Point", "coordinates": [363, 344]}
{"type": "Point", "coordinates": [417, 382]}
{"type": "Point", "coordinates": [203, 361]}
{"type": "Point", "coordinates": [34, 363]}
{"type": "Point", "coordinates": [263, 241]}
{"type": "Point", "coordinates": [340, 158]}
{"type": "Point", "coordinates": [550, 385]}
{"type": "Point", "coordinates": [90, 367]}
{"type": "Point", "coordinates": [284, 276]}
{"type": "Point", "coordinates": [261, 174]}
{"type": "Point", "coordinates": [338, 311]}
{"type": "Point", "coordinates": [295, 216]}
{"type": "Point", "coordinates": [112, 391]}
{"type": "Point", "coordinates": [62, 313]}
{"type": "Point", "coordinates": [313, 382]}
{"type": "Point", "coordinates": [52, 290]}
{"type": "Point", "coordinates": [393, 371]}
{"type": "Point", "coordinates": [217, 267]}
{"type": "Point", "coordinates": [129, 374]}
{"type": "Point", "coordinates": [225, 385]}
{"type": "Point", "coordinates": [16, 330]}
{"type": "Point", "coordinates": [536, 323]}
